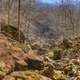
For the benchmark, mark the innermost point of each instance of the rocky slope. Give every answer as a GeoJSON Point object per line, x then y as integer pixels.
{"type": "Point", "coordinates": [32, 62]}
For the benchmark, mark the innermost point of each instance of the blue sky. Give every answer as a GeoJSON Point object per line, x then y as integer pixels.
{"type": "Point", "coordinates": [56, 1]}
{"type": "Point", "coordinates": [48, 1]}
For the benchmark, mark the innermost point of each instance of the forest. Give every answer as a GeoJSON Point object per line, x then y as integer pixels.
{"type": "Point", "coordinates": [39, 39]}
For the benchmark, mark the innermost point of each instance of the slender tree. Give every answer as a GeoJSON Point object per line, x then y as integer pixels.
{"type": "Point", "coordinates": [8, 12]}
{"type": "Point", "coordinates": [8, 23]}
{"type": "Point", "coordinates": [0, 16]}
{"type": "Point", "coordinates": [19, 9]}
{"type": "Point", "coordinates": [28, 24]}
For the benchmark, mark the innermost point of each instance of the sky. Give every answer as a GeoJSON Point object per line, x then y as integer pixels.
{"type": "Point", "coordinates": [56, 1]}
{"type": "Point", "coordinates": [48, 1]}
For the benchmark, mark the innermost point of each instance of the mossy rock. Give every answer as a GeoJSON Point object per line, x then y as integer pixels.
{"type": "Point", "coordinates": [48, 71]}
{"type": "Point", "coordinates": [65, 43]}
{"type": "Point", "coordinates": [12, 32]}
{"type": "Point", "coordinates": [34, 64]}
{"type": "Point", "coordinates": [53, 74]}
{"type": "Point", "coordinates": [57, 54]}
{"type": "Point", "coordinates": [69, 71]}
{"type": "Point", "coordinates": [59, 76]}
{"type": "Point", "coordinates": [2, 68]}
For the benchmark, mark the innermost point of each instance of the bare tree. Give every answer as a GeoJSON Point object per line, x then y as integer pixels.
{"type": "Point", "coordinates": [8, 10]}
{"type": "Point", "coordinates": [68, 15]}
{"type": "Point", "coordinates": [19, 9]}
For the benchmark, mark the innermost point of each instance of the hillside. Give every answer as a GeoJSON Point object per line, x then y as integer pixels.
{"type": "Point", "coordinates": [39, 41]}
{"type": "Point", "coordinates": [22, 61]}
